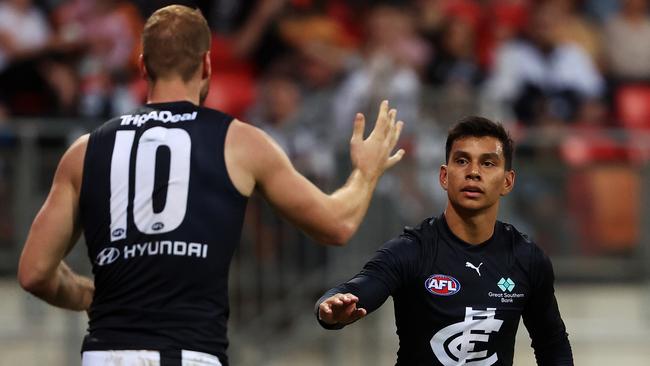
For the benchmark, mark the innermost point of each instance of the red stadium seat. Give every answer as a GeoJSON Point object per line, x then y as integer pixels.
{"type": "Point", "coordinates": [607, 223]}
{"type": "Point", "coordinates": [633, 106]}
{"type": "Point", "coordinates": [633, 109]}
{"type": "Point", "coordinates": [232, 88]}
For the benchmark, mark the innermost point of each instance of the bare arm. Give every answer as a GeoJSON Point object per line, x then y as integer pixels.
{"type": "Point", "coordinates": [254, 160]}
{"type": "Point", "coordinates": [54, 232]}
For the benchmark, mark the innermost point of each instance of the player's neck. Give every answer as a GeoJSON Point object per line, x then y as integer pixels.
{"type": "Point", "coordinates": [471, 227]}
{"type": "Point", "coordinates": [173, 90]}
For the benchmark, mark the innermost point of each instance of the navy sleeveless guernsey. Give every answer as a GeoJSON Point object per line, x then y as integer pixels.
{"type": "Point", "coordinates": [161, 219]}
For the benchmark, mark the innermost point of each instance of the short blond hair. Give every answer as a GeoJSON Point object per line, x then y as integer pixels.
{"type": "Point", "coordinates": [174, 40]}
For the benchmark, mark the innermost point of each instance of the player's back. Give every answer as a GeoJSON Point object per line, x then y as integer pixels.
{"type": "Point", "coordinates": [161, 219]}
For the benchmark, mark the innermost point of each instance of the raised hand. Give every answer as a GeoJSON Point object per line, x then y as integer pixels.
{"type": "Point", "coordinates": [372, 155]}
{"type": "Point", "coordinates": [340, 309]}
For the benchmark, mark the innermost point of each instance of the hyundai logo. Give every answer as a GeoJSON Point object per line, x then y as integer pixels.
{"type": "Point", "coordinates": [107, 256]}
{"type": "Point", "coordinates": [157, 226]}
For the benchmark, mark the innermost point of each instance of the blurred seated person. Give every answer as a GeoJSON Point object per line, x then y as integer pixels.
{"type": "Point", "coordinates": [502, 21]}
{"type": "Point", "coordinates": [25, 81]}
{"type": "Point", "coordinates": [540, 74]}
{"type": "Point", "coordinates": [627, 47]}
{"type": "Point", "coordinates": [23, 29]}
{"type": "Point", "coordinates": [574, 27]}
{"type": "Point", "coordinates": [386, 68]}
{"type": "Point", "coordinates": [454, 60]}
{"type": "Point", "coordinates": [109, 33]}
{"type": "Point", "coordinates": [279, 109]}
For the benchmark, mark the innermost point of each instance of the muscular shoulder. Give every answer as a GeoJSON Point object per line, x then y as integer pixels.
{"type": "Point", "coordinates": [250, 154]}
{"type": "Point", "coordinates": [71, 165]}
{"type": "Point", "coordinates": [242, 135]}
{"type": "Point", "coordinates": [253, 146]}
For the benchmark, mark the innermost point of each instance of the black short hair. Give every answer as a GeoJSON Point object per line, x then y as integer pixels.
{"type": "Point", "coordinates": [475, 126]}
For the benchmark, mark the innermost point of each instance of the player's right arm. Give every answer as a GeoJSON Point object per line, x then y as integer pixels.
{"type": "Point", "coordinates": [394, 265]}
{"type": "Point", "coordinates": [255, 161]}
{"type": "Point", "coordinates": [54, 232]}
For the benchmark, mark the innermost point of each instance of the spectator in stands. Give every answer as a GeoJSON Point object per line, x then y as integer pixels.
{"type": "Point", "coordinates": [453, 73]}
{"type": "Point", "coordinates": [280, 110]}
{"type": "Point", "coordinates": [539, 75]}
{"type": "Point", "coordinates": [386, 68]}
{"type": "Point", "coordinates": [575, 28]}
{"type": "Point", "coordinates": [23, 30]}
{"type": "Point", "coordinates": [454, 60]}
{"type": "Point", "coordinates": [601, 10]}
{"type": "Point", "coordinates": [627, 47]}
{"type": "Point", "coordinates": [502, 21]}
{"type": "Point", "coordinates": [322, 46]}
{"type": "Point", "coordinates": [111, 31]}
{"type": "Point", "coordinates": [24, 36]}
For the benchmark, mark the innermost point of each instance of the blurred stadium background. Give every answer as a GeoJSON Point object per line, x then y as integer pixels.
{"type": "Point", "coordinates": [568, 77]}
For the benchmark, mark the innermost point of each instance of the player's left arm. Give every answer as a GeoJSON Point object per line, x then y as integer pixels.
{"type": "Point", "coordinates": [542, 316]}
{"type": "Point", "coordinates": [54, 232]}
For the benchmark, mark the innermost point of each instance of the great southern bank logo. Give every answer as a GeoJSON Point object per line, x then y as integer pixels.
{"type": "Point", "coordinates": [506, 284]}
{"type": "Point", "coordinates": [107, 256]}
{"type": "Point", "coordinates": [442, 285]}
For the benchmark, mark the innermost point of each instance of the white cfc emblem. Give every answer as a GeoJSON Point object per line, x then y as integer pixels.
{"type": "Point", "coordinates": [454, 345]}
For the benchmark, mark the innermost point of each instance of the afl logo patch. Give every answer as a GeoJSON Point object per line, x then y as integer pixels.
{"type": "Point", "coordinates": [118, 232]}
{"type": "Point", "coordinates": [442, 285]}
{"type": "Point", "coordinates": [107, 256]}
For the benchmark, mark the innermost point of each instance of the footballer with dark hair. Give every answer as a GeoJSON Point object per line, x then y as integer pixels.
{"type": "Point", "coordinates": [461, 281]}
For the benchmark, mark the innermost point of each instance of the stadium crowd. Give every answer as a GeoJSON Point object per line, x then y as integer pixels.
{"type": "Point", "coordinates": [301, 68]}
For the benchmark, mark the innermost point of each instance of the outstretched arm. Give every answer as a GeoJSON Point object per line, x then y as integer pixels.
{"type": "Point", "coordinates": [54, 232]}
{"type": "Point", "coordinates": [339, 310]}
{"type": "Point", "coordinates": [254, 160]}
{"type": "Point", "coordinates": [351, 301]}
{"type": "Point", "coordinates": [392, 266]}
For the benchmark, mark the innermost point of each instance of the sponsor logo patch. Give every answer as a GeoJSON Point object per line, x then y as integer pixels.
{"type": "Point", "coordinates": [442, 285]}
{"type": "Point", "coordinates": [107, 256]}
{"type": "Point", "coordinates": [118, 232]}
{"type": "Point", "coordinates": [506, 284]}
{"type": "Point", "coordinates": [162, 116]}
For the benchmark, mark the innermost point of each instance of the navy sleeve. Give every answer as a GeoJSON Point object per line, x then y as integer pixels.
{"type": "Point", "coordinates": [391, 267]}
{"type": "Point", "coordinates": [542, 317]}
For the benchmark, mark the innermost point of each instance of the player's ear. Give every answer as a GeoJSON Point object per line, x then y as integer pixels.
{"type": "Point", "coordinates": [206, 72]}
{"type": "Point", "coordinates": [142, 68]}
{"type": "Point", "coordinates": [508, 182]}
{"type": "Point", "coordinates": [443, 176]}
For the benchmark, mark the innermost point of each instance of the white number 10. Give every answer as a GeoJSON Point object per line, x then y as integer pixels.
{"type": "Point", "coordinates": [146, 220]}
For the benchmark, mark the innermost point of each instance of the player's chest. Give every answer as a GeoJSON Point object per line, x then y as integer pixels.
{"type": "Point", "coordinates": [485, 281]}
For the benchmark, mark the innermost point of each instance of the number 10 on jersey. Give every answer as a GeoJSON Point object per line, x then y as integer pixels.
{"type": "Point", "coordinates": [146, 220]}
